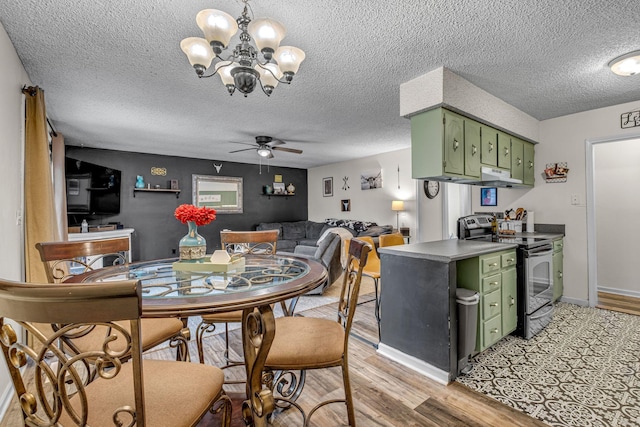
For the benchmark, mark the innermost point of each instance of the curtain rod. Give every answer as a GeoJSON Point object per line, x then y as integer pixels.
{"type": "Point", "coordinates": [31, 91]}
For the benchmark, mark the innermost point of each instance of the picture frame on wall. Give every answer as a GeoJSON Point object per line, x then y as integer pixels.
{"type": "Point", "coordinates": [278, 188]}
{"type": "Point", "coordinates": [345, 205]}
{"type": "Point", "coordinates": [327, 187]}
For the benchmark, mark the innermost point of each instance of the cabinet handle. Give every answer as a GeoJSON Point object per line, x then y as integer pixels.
{"type": "Point", "coordinates": [474, 150]}
{"type": "Point", "coordinates": [530, 165]}
{"type": "Point", "coordinates": [560, 274]}
{"type": "Point", "coordinates": [493, 284]}
{"type": "Point", "coordinates": [456, 144]}
{"type": "Point", "coordinates": [519, 161]}
{"type": "Point", "coordinates": [510, 260]}
{"type": "Point", "coordinates": [506, 151]}
{"type": "Point", "coordinates": [490, 146]}
{"type": "Point", "coordinates": [493, 304]}
{"type": "Point", "coordinates": [493, 264]}
{"type": "Point", "coordinates": [494, 331]}
{"type": "Point", "coordinates": [513, 301]}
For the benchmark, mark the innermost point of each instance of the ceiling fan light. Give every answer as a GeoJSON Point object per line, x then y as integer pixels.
{"type": "Point", "coordinates": [218, 26]}
{"type": "Point", "coordinates": [289, 58]}
{"type": "Point", "coordinates": [198, 52]}
{"type": "Point", "coordinates": [626, 65]}
{"type": "Point", "coordinates": [263, 151]}
{"type": "Point", "coordinates": [267, 33]}
{"type": "Point", "coordinates": [269, 73]}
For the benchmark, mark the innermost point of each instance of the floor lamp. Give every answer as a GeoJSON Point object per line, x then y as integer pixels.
{"type": "Point", "coordinates": [397, 206]}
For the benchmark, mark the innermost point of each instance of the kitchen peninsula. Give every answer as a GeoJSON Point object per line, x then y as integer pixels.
{"type": "Point", "coordinates": [419, 325]}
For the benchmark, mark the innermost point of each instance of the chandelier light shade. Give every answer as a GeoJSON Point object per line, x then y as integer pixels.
{"type": "Point", "coordinates": [266, 64]}
{"type": "Point", "coordinates": [626, 65]}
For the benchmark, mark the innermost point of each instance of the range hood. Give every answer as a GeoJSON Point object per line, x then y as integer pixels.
{"type": "Point", "coordinates": [498, 178]}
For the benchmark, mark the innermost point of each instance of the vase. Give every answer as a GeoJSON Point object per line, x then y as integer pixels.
{"type": "Point", "coordinates": [192, 246]}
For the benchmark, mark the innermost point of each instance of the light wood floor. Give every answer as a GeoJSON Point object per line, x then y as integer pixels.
{"type": "Point", "coordinates": [621, 303]}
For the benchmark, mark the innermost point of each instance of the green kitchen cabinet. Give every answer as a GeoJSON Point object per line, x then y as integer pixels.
{"type": "Point", "coordinates": [504, 150]}
{"type": "Point", "coordinates": [528, 171]}
{"type": "Point", "coordinates": [517, 158]}
{"type": "Point", "coordinates": [454, 152]}
{"type": "Point", "coordinates": [494, 277]}
{"type": "Point", "coordinates": [489, 146]}
{"type": "Point", "coordinates": [472, 148]}
{"type": "Point", "coordinates": [558, 261]}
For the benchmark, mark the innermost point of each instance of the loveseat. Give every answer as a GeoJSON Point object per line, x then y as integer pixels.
{"type": "Point", "coordinates": [307, 233]}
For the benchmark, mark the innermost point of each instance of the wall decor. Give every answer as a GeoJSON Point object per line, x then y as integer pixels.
{"type": "Point", "coordinates": [327, 187]}
{"type": "Point", "coordinates": [173, 184]}
{"type": "Point", "coordinates": [345, 185]}
{"type": "Point", "coordinates": [223, 193]}
{"type": "Point", "coordinates": [277, 178]}
{"type": "Point", "coordinates": [371, 179]}
{"type": "Point", "coordinates": [556, 172]}
{"type": "Point", "coordinates": [218, 167]}
{"type": "Point", "coordinates": [278, 188]}
{"type": "Point", "coordinates": [630, 119]}
{"type": "Point", "coordinates": [159, 171]}
{"type": "Point", "coordinates": [345, 205]}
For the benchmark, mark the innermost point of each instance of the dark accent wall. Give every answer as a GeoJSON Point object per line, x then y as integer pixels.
{"type": "Point", "coordinates": [157, 232]}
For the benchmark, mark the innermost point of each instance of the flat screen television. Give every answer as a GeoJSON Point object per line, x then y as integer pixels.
{"type": "Point", "coordinates": [489, 196]}
{"type": "Point", "coordinates": [92, 189]}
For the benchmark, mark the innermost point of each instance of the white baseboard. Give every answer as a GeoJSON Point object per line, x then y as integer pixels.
{"type": "Point", "coordinates": [411, 362]}
{"type": "Point", "coordinates": [576, 301]}
{"type": "Point", "coordinates": [625, 292]}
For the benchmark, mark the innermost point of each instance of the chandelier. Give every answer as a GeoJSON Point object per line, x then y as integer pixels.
{"type": "Point", "coordinates": [243, 69]}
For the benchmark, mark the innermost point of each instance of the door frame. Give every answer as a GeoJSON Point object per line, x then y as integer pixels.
{"type": "Point", "coordinates": [592, 255]}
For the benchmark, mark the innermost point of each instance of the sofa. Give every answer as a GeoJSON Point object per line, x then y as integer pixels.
{"type": "Point", "coordinates": [307, 233]}
{"type": "Point", "coordinates": [326, 253]}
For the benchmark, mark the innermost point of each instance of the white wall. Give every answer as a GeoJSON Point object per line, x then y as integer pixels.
{"type": "Point", "coordinates": [563, 140]}
{"type": "Point", "coordinates": [617, 166]}
{"type": "Point", "coordinates": [11, 137]}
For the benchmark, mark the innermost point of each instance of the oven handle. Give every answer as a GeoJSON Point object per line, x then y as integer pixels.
{"type": "Point", "coordinates": [539, 252]}
{"type": "Point", "coordinates": [538, 316]}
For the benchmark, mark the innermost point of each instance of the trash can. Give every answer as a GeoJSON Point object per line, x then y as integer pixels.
{"type": "Point", "coordinates": [467, 302]}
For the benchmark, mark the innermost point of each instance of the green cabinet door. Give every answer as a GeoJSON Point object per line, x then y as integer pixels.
{"type": "Point", "coordinates": [529, 152]}
{"type": "Point", "coordinates": [517, 158]}
{"type": "Point", "coordinates": [471, 148]}
{"type": "Point", "coordinates": [558, 261]}
{"type": "Point", "coordinates": [509, 301]}
{"type": "Point", "coordinates": [488, 146]}
{"type": "Point", "coordinates": [453, 143]}
{"type": "Point", "coordinates": [504, 150]}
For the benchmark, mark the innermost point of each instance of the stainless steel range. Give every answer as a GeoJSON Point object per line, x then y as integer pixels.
{"type": "Point", "coordinates": [534, 268]}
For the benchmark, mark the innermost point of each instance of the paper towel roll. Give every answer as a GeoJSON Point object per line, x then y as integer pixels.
{"type": "Point", "coordinates": [530, 226]}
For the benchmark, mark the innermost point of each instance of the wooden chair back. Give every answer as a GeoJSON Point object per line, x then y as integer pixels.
{"type": "Point", "coordinates": [250, 242]}
{"type": "Point", "coordinates": [393, 239]}
{"type": "Point", "coordinates": [357, 258]}
{"type": "Point", "coordinates": [65, 259]}
{"type": "Point", "coordinates": [52, 386]}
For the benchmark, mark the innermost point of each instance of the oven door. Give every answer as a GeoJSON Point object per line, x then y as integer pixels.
{"type": "Point", "coordinates": [538, 278]}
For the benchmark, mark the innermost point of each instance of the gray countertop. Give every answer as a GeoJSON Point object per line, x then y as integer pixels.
{"type": "Point", "coordinates": [446, 250]}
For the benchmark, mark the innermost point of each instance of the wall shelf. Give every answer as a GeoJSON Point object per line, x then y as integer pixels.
{"type": "Point", "coordinates": [156, 190]}
{"type": "Point", "coordinates": [277, 195]}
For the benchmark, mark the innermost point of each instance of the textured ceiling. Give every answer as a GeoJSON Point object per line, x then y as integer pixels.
{"type": "Point", "coordinates": [115, 77]}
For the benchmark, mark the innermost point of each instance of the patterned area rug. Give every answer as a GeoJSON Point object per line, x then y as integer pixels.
{"type": "Point", "coordinates": [582, 370]}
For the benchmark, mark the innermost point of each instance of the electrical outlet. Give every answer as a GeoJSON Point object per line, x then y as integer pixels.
{"type": "Point", "coordinates": [575, 199]}
{"type": "Point", "coordinates": [18, 217]}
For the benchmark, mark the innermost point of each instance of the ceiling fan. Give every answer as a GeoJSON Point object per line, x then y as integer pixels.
{"type": "Point", "coordinates": [265, 145]}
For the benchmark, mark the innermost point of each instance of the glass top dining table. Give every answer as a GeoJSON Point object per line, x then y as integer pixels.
{"type": "Point", "coordinates": [178, 290]}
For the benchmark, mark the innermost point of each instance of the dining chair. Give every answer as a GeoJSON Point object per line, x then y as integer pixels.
{"type": "Point", "coordinates": [393, 239]}
{"type": "Point", "coordinates": [63, 260]}
{"type": "Point", "coordinates": [235, 242]}
{"type": "Point", "coordinates": [308, 343]}
{"type": "Point", "coordinates": [96, 387]}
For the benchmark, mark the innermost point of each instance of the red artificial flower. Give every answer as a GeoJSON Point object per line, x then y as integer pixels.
{"type": "Point", "coordinates": [201, 216]}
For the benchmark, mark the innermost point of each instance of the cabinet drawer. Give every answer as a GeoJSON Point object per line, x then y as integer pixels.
{"type": "Point", "coordinates": [490, 264]}
{"type": "Point", "coordinates": [491, 332]}
{"type": "Point", "coordinates": [508, 259]}
{"type": "Point", "coordinates": [491, 283]}
{"type": "Point", "coordinates": [557, 245]}
{"type": "Point", "coordinates": [491, 304]}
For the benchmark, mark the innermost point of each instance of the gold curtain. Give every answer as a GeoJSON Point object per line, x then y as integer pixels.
{"type": "Point", "coordinates": [41, 218]}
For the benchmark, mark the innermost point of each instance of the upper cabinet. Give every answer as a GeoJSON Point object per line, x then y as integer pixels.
{"type": "Point", "coordinates": [447, 146]}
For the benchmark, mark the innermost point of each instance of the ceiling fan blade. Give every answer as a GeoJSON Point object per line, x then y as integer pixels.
{"type": "Point", "coordinates": [276, 142]}
{"type": "Point", "coordinates": [289, 150]}
{"type": "Point", "coordinates": [244, 149]}
{"type": "Point", "coordinates": [270, 156]}
{"type": "Point", "coordinates": [243, 143]}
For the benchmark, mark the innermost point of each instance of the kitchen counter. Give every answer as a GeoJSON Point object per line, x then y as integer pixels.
{"type": "Point", "coordinates": [418, 326]}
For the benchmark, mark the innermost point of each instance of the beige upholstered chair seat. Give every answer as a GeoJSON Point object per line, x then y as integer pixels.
{"type": "Point", "coordinates": [176, 393]}
{"type": "Point", "coordinates": [301, 342]}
